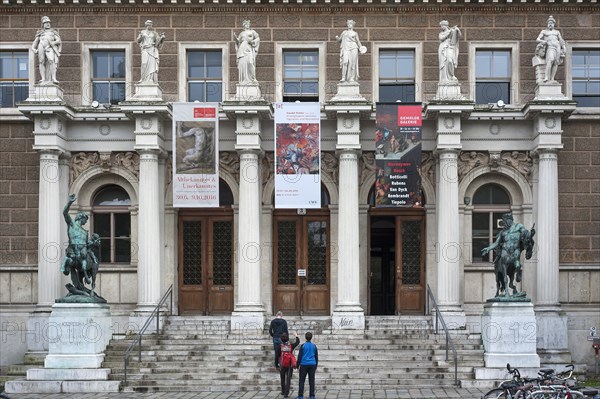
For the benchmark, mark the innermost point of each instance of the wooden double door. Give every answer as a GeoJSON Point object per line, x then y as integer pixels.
{"type": "Point", "coordinates": [301, 262]}
{"type": "Point", "coordinates": [205, 269]}
{"type": "Point", "coordinates": [397, 263]}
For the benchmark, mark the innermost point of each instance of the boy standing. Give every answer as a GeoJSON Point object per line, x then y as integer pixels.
{"type": "Point", "coordinates": [308, 359]}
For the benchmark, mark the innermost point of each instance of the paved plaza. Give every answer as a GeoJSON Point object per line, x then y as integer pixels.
{"type": "Point", "coordinates": [465, 393]}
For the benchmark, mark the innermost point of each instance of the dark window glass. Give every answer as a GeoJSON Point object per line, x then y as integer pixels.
{"type": "Point", "coordinates": [14, 78]}
{"type": "Point", "coordinates": [112, 222]}
{"type": "Point", "coordinates": [489, 203]}
{"type": "Point", "coordinates": [492, 76]}
{"type": "Point", "coordinates": [586, 77]}
{"type": "Point", "coordinates": [108, 76]}
{"type": "Point", "coordinates": [300, 75]}
{"type": "Point", "coordinates": [204, 76]}
{"type": "Point", "coordinates": [491, 194]}
{"type": "Point", "coordinates": [397, 75]}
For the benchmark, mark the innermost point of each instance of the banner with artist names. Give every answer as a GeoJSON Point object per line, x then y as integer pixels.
{"type": "Point", "coordinates": [195, 155]}
{"type": "Point", "coordinates": [398, 155]}
{"type": "Point", "coordinates": [297, 155]}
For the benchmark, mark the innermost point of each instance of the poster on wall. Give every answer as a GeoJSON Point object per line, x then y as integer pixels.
{"type": "Point", "coordinates": [398, 155]}
{"type": "Point", "coordinates": [195, 155]}
{"type": "Point", "coordinates": [297, 155]}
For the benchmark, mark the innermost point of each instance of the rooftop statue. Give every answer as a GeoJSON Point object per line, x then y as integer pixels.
{"type": "Point", "coordinates": [150, 43]}
{"type": "Point", "coordinates": [448, 52]}
{"type": "Point", "coordinates": [81, 260]}
{"type": "Point", "coordinates": [47, 45]}
{"type": "Point", "coordinates": [511, 241]}
{"type": "Point", "coordinates": [246, 47]}
{"type": "Point", "coordinates": [350, 47]}
{"type": "Point", "coordinates": [551, 49]}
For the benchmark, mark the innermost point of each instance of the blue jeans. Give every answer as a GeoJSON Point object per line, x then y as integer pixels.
{"type": "Point", "coordinates": [276, 343]}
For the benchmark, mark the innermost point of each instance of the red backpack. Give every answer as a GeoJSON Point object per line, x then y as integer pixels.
{"type": "Point", "coordinates": [287, 358]}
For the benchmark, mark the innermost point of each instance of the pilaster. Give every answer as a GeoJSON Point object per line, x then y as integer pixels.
{"type": "Point", "coordinates": [249, 310]}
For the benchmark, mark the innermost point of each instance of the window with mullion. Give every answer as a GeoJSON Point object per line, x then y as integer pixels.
{"type": "Point", "coordinates": [300, 75]}
{"type": "Point", "coordinates": [108, 76]}
{"type": "Point", "coordinates": [489, 203]}
{"type": "Point", "coordinates": [14, 78]}
{"type": "Point", "coordinates": [492, 76]}
{"type": "Point", "coordinates": [112, 222]}
{"type": "Point", "coordinates": [397, 75]}
{"type": "Point", "coordinates": [586, 77]}
{"type": "Point", "coordinates": [204, 75]}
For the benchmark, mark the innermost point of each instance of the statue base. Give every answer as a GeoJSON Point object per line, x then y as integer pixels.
{"type": "Point", "coordinates": [549, 91]}
{"type": "Point", "coordinates": [348, 91]}
{"type": "Point", "coordinates": [247, 322]}
{"type": "Point", "coordinates": [509, 335]}
{"type": "Point", "coordinates": [448, 92]}
{"type": "Point", "coordinates": [45, 92]}
{"type": "Point", "coordinates": [247, 92]}
{"type": "Point", "coordinates": [147, 91]}
{"type": "Point", "coordinates": [348, 318]}
{"type": "Point", "coordinates": [78, 335]}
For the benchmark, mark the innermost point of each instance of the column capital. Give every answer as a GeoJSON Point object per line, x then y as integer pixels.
{"type": "Point", "coordinates": [348, 153]}
{"type": "Point", "coordinates": [446, 153]}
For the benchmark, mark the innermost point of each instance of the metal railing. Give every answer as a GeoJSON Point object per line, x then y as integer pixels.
{"type": "Point", "coordinates": [138, 341]}
{"type": "Point", "coordinates": [449, 342]}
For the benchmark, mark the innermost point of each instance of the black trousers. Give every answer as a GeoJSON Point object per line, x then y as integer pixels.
{"type": "Point", "coordinates": [286, 379]}
{"type": "Point", "coordinates": [310, 370]}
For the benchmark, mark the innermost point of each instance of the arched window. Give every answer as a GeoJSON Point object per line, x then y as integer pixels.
{"type": "Point", "coordinates": [489, 203]}
{"type": "Point", "coordinates": [225, 194]}
{"type": "Point", "coordinates": [112, 222]}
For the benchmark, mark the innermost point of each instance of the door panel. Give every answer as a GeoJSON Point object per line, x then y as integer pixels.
{"type": "Point", "coordinates": [410, 270]}
{"type": "Point", "coordinates": [205, 264]}
{"type": "Point", "coordinates": [301, 242]}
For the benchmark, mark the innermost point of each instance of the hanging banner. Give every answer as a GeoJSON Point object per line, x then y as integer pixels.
{"type": "Point", "coordinates": [398, 155]}
{"type": "Point", "coordinates": [195, 155]}
{"type": "Point", "coordinates": [297, 155]}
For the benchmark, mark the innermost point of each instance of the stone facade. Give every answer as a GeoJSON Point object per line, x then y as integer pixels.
{"type": "Point", "coordinates": [504, 132]}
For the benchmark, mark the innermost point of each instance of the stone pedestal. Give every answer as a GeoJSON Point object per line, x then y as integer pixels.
{"type": "Point", "coordinates": [247, 92]}
{"type": "Point", "coordinates": [46, 92]}
{"type": "Point", "coordinates": [552, 338]}
{"type": "Point", "coordinates": [448, 91]}
{"type": "Point", "coordinates": [509, 333]}
{"type": "Point", "coordinates": [147, 92]}
{"type": "Point", "coordinates": [348, 320]}
{"type": "Point", "coordinates": [78, 334]}
{"type": "Point", "coordinates": [549, 91]}
{"type": "Point", "coordinates": [348, 91]}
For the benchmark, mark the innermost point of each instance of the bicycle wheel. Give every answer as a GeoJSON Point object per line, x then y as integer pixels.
{"type": "Point", "coordinates": [496, 393]}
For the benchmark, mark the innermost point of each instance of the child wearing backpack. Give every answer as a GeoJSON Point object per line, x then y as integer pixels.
{"type": "Point", "coordinates": [287, 362]}
{"type": "Point", "coordinates": [308, 359]}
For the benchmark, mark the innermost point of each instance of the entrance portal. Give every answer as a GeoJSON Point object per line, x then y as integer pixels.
{"type": "Point", "coordinates": [397, 263]}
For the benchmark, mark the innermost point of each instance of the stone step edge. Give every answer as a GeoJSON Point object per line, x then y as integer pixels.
{"type": "Point", "coordinates": [30, 387]}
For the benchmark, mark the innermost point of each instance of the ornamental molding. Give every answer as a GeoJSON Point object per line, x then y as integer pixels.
{"type": "Point", "coordinates": [469, 160]}
{"type": "Point", "coordinates": [329, 166]}
{"type": "Point", "coordinates": [367, 166]}
{"type": "Point", "coordinates": [83, 161]}
{"type": "Point", "coordinates": [519, 160]}
{"type": "Point", "coordinates": [229, 161]}
{"type": "Point", "coordinates": [428, 166]}
{"type": "Point", "coordinates": [267, 166]}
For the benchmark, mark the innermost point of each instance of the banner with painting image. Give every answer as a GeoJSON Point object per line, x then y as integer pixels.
{"type": "Point", "coordinates": [398, 155]}
{"type": "Point", "coordinates": [195, 155]}
{"type": "Point", "coordinates": [297, 155]}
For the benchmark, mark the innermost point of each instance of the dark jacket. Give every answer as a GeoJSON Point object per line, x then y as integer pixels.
{"type": "Point", "coordinates": [278, 327]}
{"type": "Point", "coordinates": [294, 345]}
{"type": "Point", "coordinates": [308, 355]}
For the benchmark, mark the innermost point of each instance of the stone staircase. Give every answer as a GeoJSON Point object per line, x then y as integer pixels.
{"type": "Point", "coordinates": [31, 360]}
{"type": "Point", "coordinates": [199, 353]}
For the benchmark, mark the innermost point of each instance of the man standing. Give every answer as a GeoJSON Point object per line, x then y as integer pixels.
{"type": "Point", "coordinates": [277, 328]}
{"type": "Point", "coordinates": [308, 360]}
{"type": "Point", "coordinates": [47, 45]}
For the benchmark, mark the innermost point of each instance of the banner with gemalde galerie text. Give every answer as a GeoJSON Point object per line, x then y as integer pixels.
{"type": "Point", "coordinates": [398, 155]}
{"type": "Point", "coordinates": [297, 155]}
{"type": "Point", "coordinates": [195, 155]}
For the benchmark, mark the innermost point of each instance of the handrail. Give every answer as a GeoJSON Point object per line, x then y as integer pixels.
{"type": "Point", "coordinates": [438, 316]}
{"type": "Point", "coordinates": [169, 294]}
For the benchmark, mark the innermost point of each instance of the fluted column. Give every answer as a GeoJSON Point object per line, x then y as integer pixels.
{"type": "Point", "coordinates": [148, 228]}
{"type": "Point", "coordinates": [249, 249]}
{"type": "Point", "coordinates": [50, 224]}
{"type": "Point", "coordinates": [348, 237]}
{"type": "Point", "coordinates": [448, 231]}
{"type": "Point", "coordinates": [547, 231]}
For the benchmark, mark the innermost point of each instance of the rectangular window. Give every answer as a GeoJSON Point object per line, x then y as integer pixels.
{"type": "Point", "coordinates": [108, 76]}
{"type": "Point", "coordinates": [300, 75]}
{"type": "Point", "coordinates": [397, 75]}
{"type": "Point", "coordinates": [492, 76]}
{"type": "Point", "coordinates": [204, 76]}
{"type": "Point", "coordinates": [586, 77]}
{"type": "Point", "coordinates": [14, 78]}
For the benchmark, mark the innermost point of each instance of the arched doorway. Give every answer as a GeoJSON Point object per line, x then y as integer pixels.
{"type": "Point", "coordinates": [205, 257]}
{"type": "Point", "coordinates": [301, 260]}
{"type": "Point", "coordinates": [396, 260]}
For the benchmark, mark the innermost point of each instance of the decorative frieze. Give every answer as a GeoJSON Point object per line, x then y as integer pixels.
{"type": "Point", "coordinates": [467, 161]}
{"type": "Point", "coordinates": [367, 166]}
{"type": "Point", "coordinates": [82, 161]}
{"type": "Point", "coordinates": [329, 166]}
{"type": "Point", "coordinates": [520, 161]}
{"type": "Point", "coordinates": [229, 161]}
{"type": "Point", "coordinates": [428, 166]}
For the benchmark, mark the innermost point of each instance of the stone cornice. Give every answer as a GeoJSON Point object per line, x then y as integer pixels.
{"type": "Point", "coordinates": [287, 6]}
